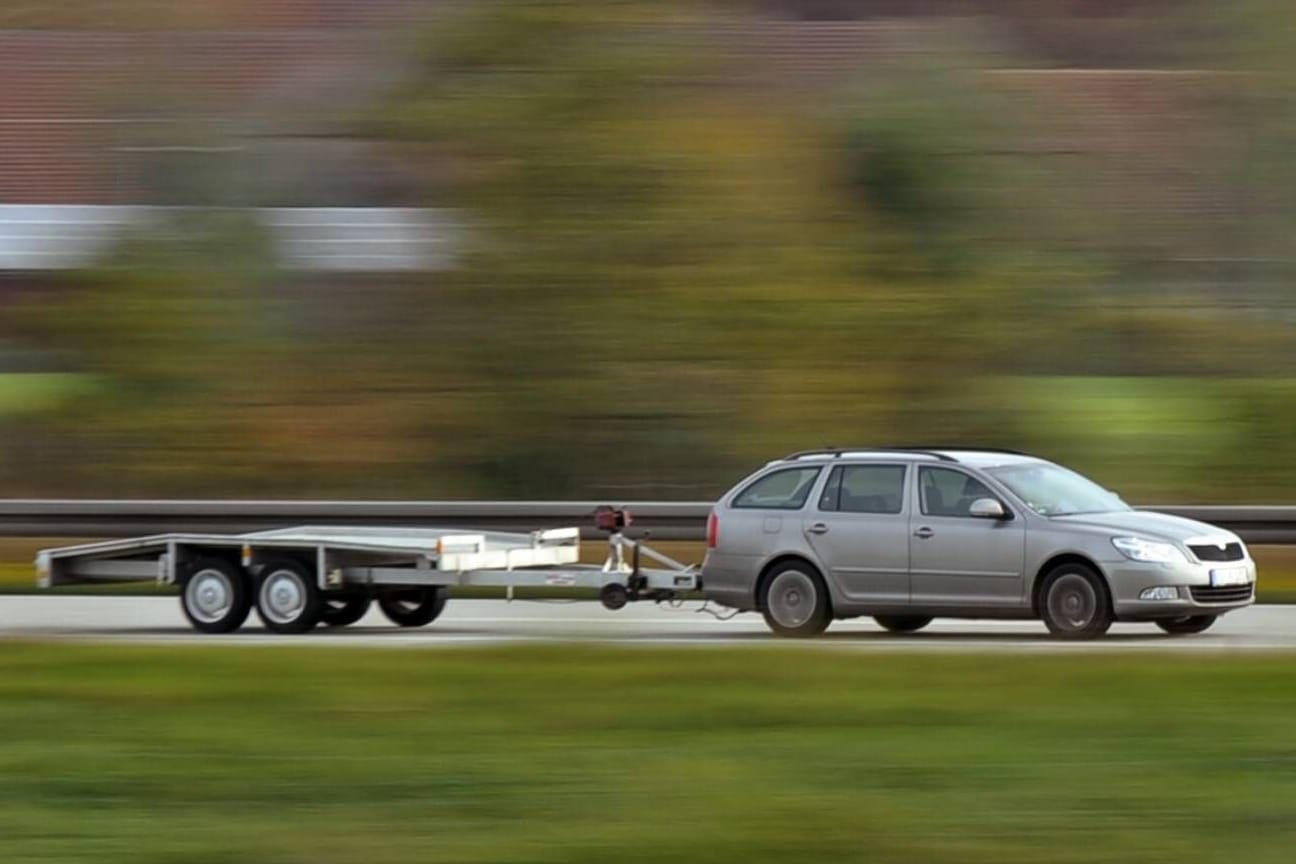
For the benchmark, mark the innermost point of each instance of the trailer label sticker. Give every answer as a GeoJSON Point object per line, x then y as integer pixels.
{"type": "Point", "coordinates": [560, 579]}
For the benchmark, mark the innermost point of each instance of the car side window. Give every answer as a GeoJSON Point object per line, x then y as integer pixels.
{"type": "Point", "coordinates": [946, 492]}
{"type": "Point", "coordinates": [781, 490]}
{"type": "Point", "coordinates": [864, 489]}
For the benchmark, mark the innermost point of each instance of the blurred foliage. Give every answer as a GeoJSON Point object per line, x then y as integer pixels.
{"type": "Point", "coordinates": [693, 273]}
{"type": "Point", "coordinates": [125, 14]}
{"type": "Point", "coordinates": [669, 277]}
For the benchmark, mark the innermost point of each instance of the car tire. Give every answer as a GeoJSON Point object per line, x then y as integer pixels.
{"type": "Point", "coordinates": [215, 596]}
{"type": "Point", "coordinates": [1186, 625]}
{"type": "Point", "coordinates": [902, 623]}
{"type": "Point", "coordinates": [344, 610]}
{"type": "Point", "coordinates": [1075, 602]}
{"type": "Point", "coordinates": [794, 600]}
{"type": "Point", "coordinates": [413, 607]}
{"type": "Point", "coordinates": [287, 598]}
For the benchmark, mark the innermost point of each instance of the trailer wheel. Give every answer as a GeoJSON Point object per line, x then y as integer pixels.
{"type": "Point", "coordinates": [614, 596]}
{"type": "Point", "coordinates": [215, 596]}
{"type": "Point", "coordinates": [344, 610]}
{"type": "Point", "coordinates": [413, 607]}
{"type": "Point", "coordinates": [288, 600]}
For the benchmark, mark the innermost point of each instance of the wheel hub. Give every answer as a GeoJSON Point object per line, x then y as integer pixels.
{"type": "Point", "coordinates": [283, 597]}
{"type": "Point", "coordinates": [791, 598]}
{"type": "Point", "coordinates": [209, 596]}
{"type": "Point", "coordinates": [1073, 601]}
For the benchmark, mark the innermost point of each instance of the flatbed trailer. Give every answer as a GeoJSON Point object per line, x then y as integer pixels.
{"type": "Point", "coordinates": [299, 577]}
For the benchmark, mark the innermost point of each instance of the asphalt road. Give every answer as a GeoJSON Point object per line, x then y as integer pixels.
{"type": "Point", "coordinates": [468, 622]}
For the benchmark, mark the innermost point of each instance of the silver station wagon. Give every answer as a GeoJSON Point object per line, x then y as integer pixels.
{"type": "Point", "coordinates": [911, 534]}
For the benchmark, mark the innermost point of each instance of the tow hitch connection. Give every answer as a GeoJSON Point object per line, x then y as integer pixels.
{"type": "Point", "coordinates": [297, 578]}
{"type": "Point", "coordinates": [615, 595]}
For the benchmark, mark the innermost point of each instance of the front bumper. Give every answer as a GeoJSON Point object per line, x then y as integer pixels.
{"type": "Point", "coordinates": [1192, 581]}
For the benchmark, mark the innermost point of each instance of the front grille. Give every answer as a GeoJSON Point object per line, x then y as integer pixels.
{"type": "Point", "coordinates": [1211, 552]}
{"type": "Point", "coordinates": [1224, 594]}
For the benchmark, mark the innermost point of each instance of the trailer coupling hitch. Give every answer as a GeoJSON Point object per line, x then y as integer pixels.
{"type": "Point", "coordinates": [611, 519]}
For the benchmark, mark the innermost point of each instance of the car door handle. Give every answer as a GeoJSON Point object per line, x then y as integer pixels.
{"type": "Point", "coordinates": [818, 528]}
{"type": "Point", "coordinates": [924, 532]}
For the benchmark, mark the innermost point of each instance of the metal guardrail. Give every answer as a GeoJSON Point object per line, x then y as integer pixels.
{"type": "Point", "coordinates": [356, 239]}
{"type": "Point", "coordinates": [1259, 525]}
{"type": "Point", "coordinates": [665, 520]}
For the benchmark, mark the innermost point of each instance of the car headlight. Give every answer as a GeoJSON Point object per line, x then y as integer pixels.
{"type": "Point", "coordinates": [1150, 551]}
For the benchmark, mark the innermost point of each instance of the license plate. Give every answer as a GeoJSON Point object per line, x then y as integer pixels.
{"type": "Point", "coordinates": [1229, 576]}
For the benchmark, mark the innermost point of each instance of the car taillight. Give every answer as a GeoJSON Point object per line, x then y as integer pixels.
{"type": "Point", "coordinates": [713, 530]}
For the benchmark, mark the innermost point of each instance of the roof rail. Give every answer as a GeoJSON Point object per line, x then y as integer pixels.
{"type": "Point", "coordinates": [969, 447]}
{"type": "Point", "coordinates": [838, 451]}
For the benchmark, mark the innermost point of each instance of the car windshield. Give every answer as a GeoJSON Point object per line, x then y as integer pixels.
{"type": "Point", "coordinates": [1051, 490]}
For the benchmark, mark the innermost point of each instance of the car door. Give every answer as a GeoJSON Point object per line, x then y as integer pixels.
{"type": "Point", "coordinates": [956, 558]}
{"type": "Point", "coordinates": [859, 529]}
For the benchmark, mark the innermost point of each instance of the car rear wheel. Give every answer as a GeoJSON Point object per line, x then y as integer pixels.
{"type": "Point", "coordinates": [1075, 603]}
{"type": "Point", "coordinates": [795, 600]}
{"type": "Point", "coordinates": [902, 623]}
{"type": "Point", "coordinates": [1187, 624]}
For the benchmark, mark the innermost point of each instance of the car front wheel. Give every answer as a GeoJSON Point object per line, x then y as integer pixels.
{"type": "Point", "coordinates": [1075, 603]}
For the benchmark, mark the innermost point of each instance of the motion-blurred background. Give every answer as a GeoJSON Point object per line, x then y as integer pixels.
{"type": "Point", "coordinates": [405, 248]}
{"type": "Point", "coordinates": [624, 250]}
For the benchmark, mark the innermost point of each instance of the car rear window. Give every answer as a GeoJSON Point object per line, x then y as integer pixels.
{"type": "Point", "coordinates": [782, 490]}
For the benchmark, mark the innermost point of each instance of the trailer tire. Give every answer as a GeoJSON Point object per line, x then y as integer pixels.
{"type": "Point", "coordinates": [413, 607]}
{"type": "Point", "coordinates": [341, 610]}
{"type": "Point", "coordinates": [287, 598]}
{"type": "Point", "coordinates": [215, 596]}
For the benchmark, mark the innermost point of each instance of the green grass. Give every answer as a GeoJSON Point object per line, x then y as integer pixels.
{"type": "Point", "coordinates": [585, 754]}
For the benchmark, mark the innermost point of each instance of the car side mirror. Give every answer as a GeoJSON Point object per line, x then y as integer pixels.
{"type": "Point", "coordinates": [987, 508]}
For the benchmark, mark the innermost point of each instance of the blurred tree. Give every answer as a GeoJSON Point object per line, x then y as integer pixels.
{"type": "Point", "coordinates": [215, 373]}
{"type": "Point", "coordinates": [1255, 47]}
{"type": "Point", "coordinates": [669, 275]}
{"type": "Point", "coordinates": [170, 325]}
{"type": "Point", "coordinates": [686, 275]}
{"type": "Point", "coordinates": [580, 154]}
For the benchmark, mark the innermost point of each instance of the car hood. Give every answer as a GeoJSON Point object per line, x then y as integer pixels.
{"type": "Point", "coordinates": [1159, 526]}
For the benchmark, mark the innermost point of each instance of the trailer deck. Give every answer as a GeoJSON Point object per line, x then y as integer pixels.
{"type": "Point", "coordinates": [297, 576]}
